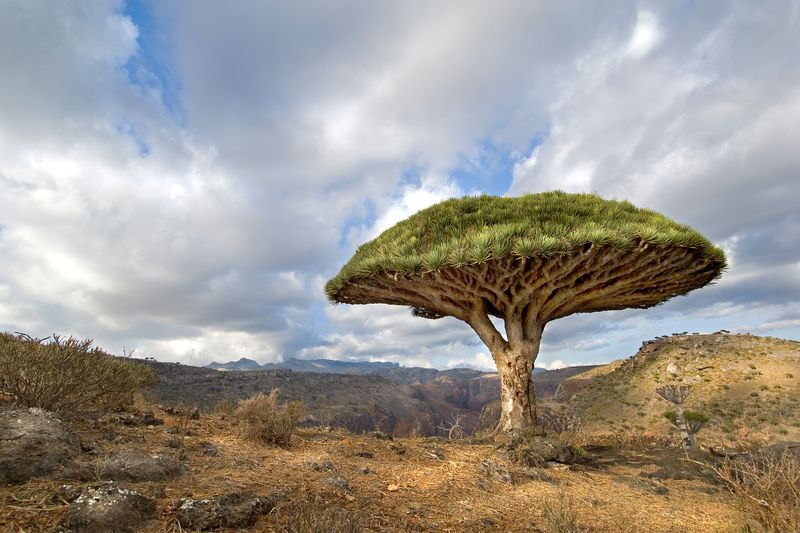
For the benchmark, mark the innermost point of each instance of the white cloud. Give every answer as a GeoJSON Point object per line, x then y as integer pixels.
{"type": "Point", "coordinates": [212, 232]}
{"type": "Point", "coordinates": [479, 361]}
{"type": "Point", "coordinates": [646, 35]}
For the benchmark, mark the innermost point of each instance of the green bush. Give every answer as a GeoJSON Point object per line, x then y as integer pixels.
{"type": "Point", "coordinates": [263, 419]}
{"type": "Point", "coordinates": [68, 375]}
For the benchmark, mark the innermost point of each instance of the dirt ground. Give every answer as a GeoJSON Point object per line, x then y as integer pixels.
{"type": "Point", "coordinates": [412, 484]}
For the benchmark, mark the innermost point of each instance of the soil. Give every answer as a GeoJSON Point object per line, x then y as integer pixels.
{"type": "Point", "coordinates": [403, 484]}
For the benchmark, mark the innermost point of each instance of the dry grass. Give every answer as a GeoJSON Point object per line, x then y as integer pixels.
{"type": "Point", "coordinates": [767, 486]}
{"type": "Point", "coordinates": [262, 419]}
{"type": "Point", "coordinates": [416, 490]}
{"type": "Point", "coordinates": [560, 515]}
{"type": "Point", "coordinates": [310, 513]}
{"type": "Point", "coordinates": [742, 403]}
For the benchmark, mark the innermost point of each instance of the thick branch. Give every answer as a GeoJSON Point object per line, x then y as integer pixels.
{"type": "Point", "coordinates": [529, 292]}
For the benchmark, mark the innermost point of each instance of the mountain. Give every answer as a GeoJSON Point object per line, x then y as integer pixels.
{"type": "Point", "coordinates": [363, 396]}
{"type": "Point", "coordinates": [242, 364]}
{"type": "Point", "coordinates": [331, 366]}
{"type": "Point", "coordinates": [748, 386]}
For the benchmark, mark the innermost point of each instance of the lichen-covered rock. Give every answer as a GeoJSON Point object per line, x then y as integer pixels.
{"type": "Point", "coordinates": [235, 510]}
{"type": "Point", "coordinates": [33, 442]}
{"type": "Point", "coordinates": [340, 482]}
{"type": "Point", "coordinates": [138, 466]}
{"type": "Point", "coordinates": [110, 509]}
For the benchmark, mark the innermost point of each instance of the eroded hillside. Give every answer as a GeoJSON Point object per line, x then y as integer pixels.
{"type": "Point", "coordinates": [748, 386]}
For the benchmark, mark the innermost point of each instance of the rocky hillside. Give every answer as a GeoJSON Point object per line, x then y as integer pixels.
{"type": "Point", "coordinates": [748, 386]}
{"type": "Point", "coordinates": [401, 402]}
{"type": "Point", "coordinates": [162, 473]}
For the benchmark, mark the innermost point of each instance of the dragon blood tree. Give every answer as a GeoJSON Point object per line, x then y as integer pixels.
{"type": "Point", "coordinates": [526, 260]}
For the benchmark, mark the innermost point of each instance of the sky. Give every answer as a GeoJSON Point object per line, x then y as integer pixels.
{"type": "Point", "coordinates": [182, 178]}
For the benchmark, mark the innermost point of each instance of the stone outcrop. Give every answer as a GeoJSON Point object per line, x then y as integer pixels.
{"type": "Point", "coordinates": [33, 442]}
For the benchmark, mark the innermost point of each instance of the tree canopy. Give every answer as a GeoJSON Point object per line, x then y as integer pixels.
{"type": "Point", "coordinates": [528, 260]}
{"type": "Point", "coordinates": [540, 235]}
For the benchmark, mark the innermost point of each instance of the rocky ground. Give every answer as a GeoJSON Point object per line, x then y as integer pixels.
{"type": "Point", "coordinates": [164, 471]}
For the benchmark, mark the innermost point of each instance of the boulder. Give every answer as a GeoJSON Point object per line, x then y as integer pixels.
{"type": "Point", "coordinates": [33, 442]}
{"type": "Point", "coordinates": [234, 510]}
{"type": "Point", "coordinates": [138, 466]}
{"type": "Point", "coordinates": [340, 482]}
{"type": "Point", "coordinates": [780, 448]}
{"type": "Point", "coordinates": [110, 509]}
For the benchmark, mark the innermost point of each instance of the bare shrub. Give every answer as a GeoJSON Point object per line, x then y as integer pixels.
{"type": "Point", "coordinates": [767, 486]}
{"type": "Point", "coordinates": [263, 419]}
{"type": "Point", "coordinates": [560, 515]}
{"type": "Point", "coordinates": [68, 375]}
{"type": "Point", "coordinates": [224, 409]}
{"type": "Point", "coordinates": [453, 430]}
{"type": "Point", "coordinates": [312, 514]}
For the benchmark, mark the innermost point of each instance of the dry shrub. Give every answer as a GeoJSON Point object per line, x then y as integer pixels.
{"type": "Point", "coordinates": [767, 486]}
{"type": "Point", "coordinates": [560, 515]}
{"type": "Point", "coordinates": [303, 514]}
{"type": "Point", "coordinates": [224, 409]}
{"type": "Point", "coordinates": [68, 375]}
{"type": "Point", "coordinates": [263, 419]}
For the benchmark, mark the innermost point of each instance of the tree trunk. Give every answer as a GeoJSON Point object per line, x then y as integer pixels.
{"type": "Point", "coordinates": [517, 397]}
{"type": "Point", "coordinates": [687, 439]}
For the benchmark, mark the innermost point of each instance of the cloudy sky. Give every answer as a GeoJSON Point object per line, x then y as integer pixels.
{"type": "Point", "coordinates": [181, 178]}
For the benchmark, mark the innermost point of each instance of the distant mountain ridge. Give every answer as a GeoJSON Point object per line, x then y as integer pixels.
{"type": "Point", "coordinates": [332, 366]}
{"type": "Point", "coordinates": [360, 396]}
{"type": "Point", "coordinates": [326, 366]}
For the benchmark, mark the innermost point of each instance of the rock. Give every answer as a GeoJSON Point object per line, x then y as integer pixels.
{"type": "Point", "coordinates": [321, 466]}
{"type": "Point", "coordinates": [672, 368]}
{"type": "Point", "coordinates": [435, 453]}
{"type": "Point", "coordinates": [651, 485]}
{"type": "Point", "coordinates": [781, 448]}
{"type": "Point", "coordinates": [365, 455]}
{"type": "Point", "coordinates": [669, 472]}
{"type": "Point", "coordinates": [33, 442]}
{"type": "Point", "coordinates": [496, 471]}
{"type": "Point", "coordinates": [392, 488]}
{"type": "Point", "coordinates": [536, 474]}
{"type": "Point", "coordinates": [380, 435]}
{"type": "Point", "coordinates": [396, 448]}
{"type": "Point", "coordinates": [234, 510]}
{"type": "Point", "coordinates": [139, 466]}
{"type": "Point", "coordinates": [109, 509]}
{"type": "Point", "coordinates": [150, 420]}
{"type": "Point", "coordinates": [206, 448]}
{"type": "Point", "coordinates": [365, 470]}
{"type": "Point", "coordinates": [340, 482]}
{"type": "Point", "coordinates": [173, 441]}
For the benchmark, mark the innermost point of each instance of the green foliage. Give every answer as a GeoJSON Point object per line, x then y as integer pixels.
{"type": "Point", "coordinates": [688, 416]}
{"type": "Point", "coordinates": [68, 375]}
{"type": "Point", "coordinates": [693, 416]}
{"type": "Point", "coordinates": [263, 419]}
{"type": "Point", "coordinates": [477, 229]}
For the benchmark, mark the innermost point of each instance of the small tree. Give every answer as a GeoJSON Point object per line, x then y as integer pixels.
{"type": "Point", "coordinates": [527, 261]}
{"type": "Point", "coordinates": [687, 422]}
